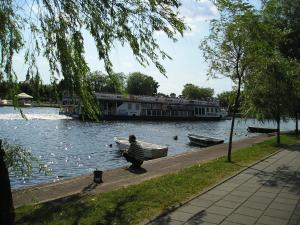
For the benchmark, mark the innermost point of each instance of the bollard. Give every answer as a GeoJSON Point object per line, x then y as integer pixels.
{"type": "Point", "coordinates": [98, 176]}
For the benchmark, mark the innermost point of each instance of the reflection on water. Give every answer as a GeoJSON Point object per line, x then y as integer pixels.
{"type": "Point", "coordinates": [72, 147]}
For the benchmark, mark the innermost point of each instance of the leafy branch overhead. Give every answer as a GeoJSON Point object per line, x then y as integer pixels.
{"type": "Point", "coordinates": [56, 29]}
{"type": "Point", "coordinates": [21, 162]}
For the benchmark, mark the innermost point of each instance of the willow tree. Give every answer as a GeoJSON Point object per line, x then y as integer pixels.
{"type": "Point", "coordinates": [54, 29]}
{"type": "Point", "coordinates": [227, 48]}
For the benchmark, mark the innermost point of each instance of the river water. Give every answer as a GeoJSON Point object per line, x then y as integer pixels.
{"type": "Point", "coordinates": [71, 147]}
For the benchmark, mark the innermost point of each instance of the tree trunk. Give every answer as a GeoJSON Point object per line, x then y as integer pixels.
{"type": "Point", "coordinates": [235, 108]}
{"type": "Point", "coordinates": [7, 213]}
{"type": "Point", "coordinates": [278, 130]}
{"type": "Point", "coordinates": [297, 129]}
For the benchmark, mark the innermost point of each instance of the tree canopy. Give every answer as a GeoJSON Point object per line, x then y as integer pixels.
{"type": "Point", "coordinates": [55, 29]}
{"type": "Point", "coordinates": [141, 84]}
{"type": "Point", "coordinates": [191, 91]}
{"type": "Point", "coordinates": [272, 89]}
{"type": "Point", "coordinates": [101, 82]}
{"type": "Point", "coordinates": [226, 100]}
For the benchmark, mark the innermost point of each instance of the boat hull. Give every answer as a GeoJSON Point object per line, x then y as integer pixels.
{"type": "Point", "coordinates": [261, 130]}
{"type": "Point", "coordinates": [158, 118]}
{"type": "Point", "coordinates": [203, 141]}
{"type": "Point", "coordinates": [151, 151]}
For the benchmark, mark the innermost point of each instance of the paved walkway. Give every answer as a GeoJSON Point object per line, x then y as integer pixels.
{"type": "Point", "coordinates": [268, 193]}
{"type": "Point", "coordinates": [117, 178]}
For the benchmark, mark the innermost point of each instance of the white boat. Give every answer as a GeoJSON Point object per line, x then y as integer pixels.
{"type": "Point", "coordinates": [151, 151]}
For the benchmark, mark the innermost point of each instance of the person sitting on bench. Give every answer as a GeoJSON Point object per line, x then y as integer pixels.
{"type": "Point", "coordinates": [134, 154]}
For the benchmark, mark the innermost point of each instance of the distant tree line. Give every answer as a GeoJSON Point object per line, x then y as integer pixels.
{"type": "Point", "coordinates": [135, 83]}
{"type": "Point", "coordinates": [40, 92]}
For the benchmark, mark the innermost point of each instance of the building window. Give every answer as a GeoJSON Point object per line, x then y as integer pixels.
{"type": "Point", "coordinates": [137, 106]}
{"type": "Point", "coordinates": [211, 109]}
{"type": "Point", "coordinates": [207, 109]}
{"type": "Point", "coordinates": [129, 105]}
{"type": "Point", "coordinates": [203, 111]}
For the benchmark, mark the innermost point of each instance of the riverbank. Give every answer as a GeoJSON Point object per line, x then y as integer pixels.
{"type": "Point", "coordinates": [133, 204]}
{"type": "Point", "coordinates": [117, 178]}
{"type": "Point", "coordinates": [34, 104]}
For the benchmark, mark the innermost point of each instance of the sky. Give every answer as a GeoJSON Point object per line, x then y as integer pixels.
{"type": "Point", "coordinates": [187, 64]}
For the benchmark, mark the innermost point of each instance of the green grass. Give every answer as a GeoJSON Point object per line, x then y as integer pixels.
{"type": "Point", "coordinates": [135, 203]}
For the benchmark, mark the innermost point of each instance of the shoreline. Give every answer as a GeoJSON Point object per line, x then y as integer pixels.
{"type": "Point", "coordinates": [120, 177]}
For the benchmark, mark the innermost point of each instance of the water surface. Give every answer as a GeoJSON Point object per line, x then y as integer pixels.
{"type": "Point", "coordinates": [71, 147]}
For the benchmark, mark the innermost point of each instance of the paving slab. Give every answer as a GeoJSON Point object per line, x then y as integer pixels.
{"type": "Point", "coordinates": [188, 208]}
{"type": "Point", "coordinates": [220, 210]}
{"type": "Point", "coordinates": [270, 220]}
{"type": "Point", "coordinates": [241, 219]}
{"type": "Point", "coordinates": [268, 197]}
{"type": "Point", "coordinates": [249, 211]}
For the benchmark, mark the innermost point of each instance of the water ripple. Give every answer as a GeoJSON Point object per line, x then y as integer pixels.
{"type": "Point", "coordinates": [73, 148]}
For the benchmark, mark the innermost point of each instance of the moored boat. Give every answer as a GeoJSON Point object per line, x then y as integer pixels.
{"type": "Point", "coordinates": [151, 151]}
{"type": "Point", "coordinates": [136, 107]}
{"type": "Point", "coordinates": [261, 130]}
{"type": "Point", "coordinates": [204, 141]}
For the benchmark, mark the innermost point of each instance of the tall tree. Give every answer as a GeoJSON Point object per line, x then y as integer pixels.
{"type": "Point", "coordinates": [272, 90]}
{"type": "Point", "coordinates": [285, 15]}
{"type": "Point", "coordinates": [228, 46]}
{"type": "Point", "coordinates": [191, 91]}
{"type": "Point", "coordinates": [141, 84]}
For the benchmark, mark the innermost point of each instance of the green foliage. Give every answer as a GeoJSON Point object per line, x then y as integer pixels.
{"type": "Point", "coordinates": [134, 204]}
{"type": "Point", "coordinates": [226, 99]}
{"type": "Point", "coordinates": [267, 91]}
{"type": "Point", "coordinates": [39, 91]}
{"type": "Point", "coordinates": [227, 47]}
{"type": "Point", "coordinates": [141, 84]}
{"type": "Point", "coordinates": [20, 161]}
{"type": "Point", "coordinates": [56, 31]}
{"type": "Point", "coordinates": [101, 82]}
{"type": "Point", "coordinates": [285, 14]}
{"type": "Point", "coordinates": [272, 89]}
{"type": "Point", "coordinates": [191, 91]}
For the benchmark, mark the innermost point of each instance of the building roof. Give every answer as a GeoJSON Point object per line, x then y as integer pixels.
{"type": "Point", "coordinates": [23, 96]}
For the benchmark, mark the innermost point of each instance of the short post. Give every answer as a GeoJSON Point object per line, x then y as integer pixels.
{"type": "Point", "coordinates": [98, 176]}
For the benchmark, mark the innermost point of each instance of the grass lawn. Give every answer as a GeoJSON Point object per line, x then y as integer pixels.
{"type": "Point", "coordinates": [135, 203]}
